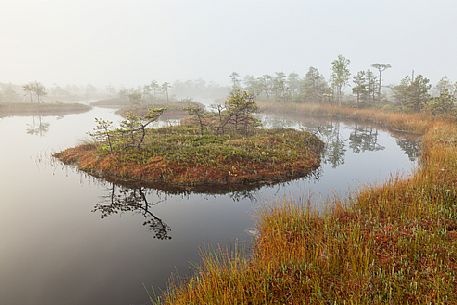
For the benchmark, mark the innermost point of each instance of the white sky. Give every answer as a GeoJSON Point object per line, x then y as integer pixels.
{"type": "Point", "coordinates": [132, 42]}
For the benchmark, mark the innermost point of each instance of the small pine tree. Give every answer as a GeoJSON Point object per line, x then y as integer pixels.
{"type": "Point", "coordinates": [103, 133]}
{"type": "Point", "coordinates": [444, 104]}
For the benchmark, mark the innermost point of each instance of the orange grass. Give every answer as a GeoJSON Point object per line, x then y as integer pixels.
{"type": "Point", "coordinates": [395, 244]}
{"type": "Point", "coordinates": [411, 122]}
{"type": "Point", "coordinates": [173, 159]}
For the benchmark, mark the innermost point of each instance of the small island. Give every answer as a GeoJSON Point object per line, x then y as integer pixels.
{"type": "Point", "coordinates": [174, 109]}
{"type": "Point", "coordinates": [135, 103]}
{"type": "Point", "coordinates": [226, 149]}
{"type": "Point", "coordinates": [26, 109]}
{"type": "Point", "coordinates": [12, 101]}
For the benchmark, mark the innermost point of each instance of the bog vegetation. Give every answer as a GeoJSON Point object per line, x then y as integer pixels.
{"type": "Point", "coordinates": [414, 93]}
{"type": "Point", "coordinates": [392, 244]}
{"type": "Point", "coordinates": [395, 244]}
{"type": "Point", "coordinates": [226, 148]}
{"type": "Point", "coordinates": [29, 100]}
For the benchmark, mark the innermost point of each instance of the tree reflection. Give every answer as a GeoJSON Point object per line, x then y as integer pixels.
{"type": "Point", "coordinates": [122, 199]}
{"type": "Point", "coordinates": [38, 127]}
{"type": "Point", "coordinates": [334, 144]}
{"type": "Point", "coordinates": [364, 139]}
{"type": "Point", "coordinates": [410, 147]}
{"type": "Point", "coordinates": [244, 194]}
{"type": "Point", "coordinates": [361, 138]}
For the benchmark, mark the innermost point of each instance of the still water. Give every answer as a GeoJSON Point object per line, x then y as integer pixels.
{"type": "Point", "coordinates": [67, 238]}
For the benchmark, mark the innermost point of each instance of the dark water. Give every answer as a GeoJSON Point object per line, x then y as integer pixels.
{"type": "Point", "coordinates": [67, 238]}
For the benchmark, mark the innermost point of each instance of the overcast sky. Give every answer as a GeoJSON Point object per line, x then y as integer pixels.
{"type": "Point", "coordinates": [129, 43]}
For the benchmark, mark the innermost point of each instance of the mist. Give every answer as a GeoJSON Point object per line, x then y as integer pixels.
{"type": "Point", "coordinates": [228, 152]}
{"type": "Point", "coordinates": [128, 43]}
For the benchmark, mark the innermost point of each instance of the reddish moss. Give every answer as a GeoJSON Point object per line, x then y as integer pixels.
{"type": "Point", "coordinates": [192, 162]}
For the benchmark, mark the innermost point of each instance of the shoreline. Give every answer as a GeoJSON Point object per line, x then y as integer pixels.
{"type": "Point", "coordinates": [366, 251]}
{"type": "Point", "coordinates": [231, 164]}
{"type": "Point", "coordinates": [44, 109]}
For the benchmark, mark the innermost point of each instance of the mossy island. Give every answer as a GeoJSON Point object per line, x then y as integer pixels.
{"type": "Point", "coordinates": [209, 151]}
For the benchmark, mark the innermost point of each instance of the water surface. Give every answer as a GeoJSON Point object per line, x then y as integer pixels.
{"type": "Point", "coordinates": [67, 238]}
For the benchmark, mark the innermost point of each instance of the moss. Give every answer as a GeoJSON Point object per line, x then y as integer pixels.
{"type": "Point", "coordinates": [178, 158]}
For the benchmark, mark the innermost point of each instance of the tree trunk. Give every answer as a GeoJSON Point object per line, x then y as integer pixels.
{"type": "Point", "coordinates": [143, 133]}
{"type": "Point", "coordinates": [108, 137]}
{"type": "Point", "coordinates": [380, 85]}
{"type": "Point", "coordinates": [339, 96]}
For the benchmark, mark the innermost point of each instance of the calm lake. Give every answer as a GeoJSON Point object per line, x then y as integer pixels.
{"type": "Point", "coordinates": [67, 238]}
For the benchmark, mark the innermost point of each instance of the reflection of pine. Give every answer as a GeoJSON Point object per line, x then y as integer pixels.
{"type": "Point", "coordinates": [40, 128]}
{"type": "Point", "coordinates": [410, 147]}
{"type": "Point", "coordinates": [364, 139]}
{"type": "Point", "coordinates": [334, 148]}
{"type": "Point", "coordinates": [131, 200]}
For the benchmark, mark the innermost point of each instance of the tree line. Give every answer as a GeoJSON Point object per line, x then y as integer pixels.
{"type": "Point", "coordinates": [151, 92]}
{"type": "Point", "coordinates": [413, 93]}
{"type": "Point", "coordinates": [36, 92]}
{"type": "Point", "coordinates": [155, 92]}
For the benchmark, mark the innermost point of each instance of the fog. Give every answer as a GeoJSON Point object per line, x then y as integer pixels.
{"type": "Point", "coordinates": [129, 43]}
{"type": "Point", "coordinates": [144, 136]}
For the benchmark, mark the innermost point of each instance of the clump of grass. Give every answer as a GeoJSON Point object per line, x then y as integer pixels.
{"type": "Point", "coordinates": [395, 244]}
{"type": "Point", "coordinates": [179, 157]}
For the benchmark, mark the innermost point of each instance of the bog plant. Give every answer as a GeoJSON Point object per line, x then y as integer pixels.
{"type": "Point", "coordinates": [131, 133]}
{"type": "Point", "coordinates": [236, 116]}
{"type": "Point", "coordinates": [224, 149]}
{"type": "Point", "coordinates": [393, 244]}
{"type": "Point", "coordinates": [444, 104]}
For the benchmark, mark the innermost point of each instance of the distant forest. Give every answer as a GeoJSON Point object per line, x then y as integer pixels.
{"type": "Point", "coordinates": [362, 88]}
